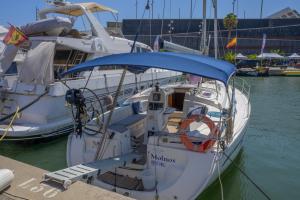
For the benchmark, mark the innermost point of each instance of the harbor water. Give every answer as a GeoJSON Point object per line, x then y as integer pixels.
{"type": "Point", "coordinates": [270, 156]}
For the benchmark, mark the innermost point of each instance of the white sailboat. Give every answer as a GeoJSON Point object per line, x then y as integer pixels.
{"type": "Point", "coordinates": [54, 46]}
{"type": "Point", "coordinates": [166, 142]}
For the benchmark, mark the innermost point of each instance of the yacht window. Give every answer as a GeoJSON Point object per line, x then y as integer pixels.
{"type": "Point", "coordinates": [65, 59]}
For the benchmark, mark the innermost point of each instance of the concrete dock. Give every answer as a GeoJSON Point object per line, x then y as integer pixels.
{"type": "Point", "coordinates": [28, 185]}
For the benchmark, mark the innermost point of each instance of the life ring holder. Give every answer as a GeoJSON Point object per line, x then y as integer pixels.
{"type": "Point", "coordinates": [188, 142]}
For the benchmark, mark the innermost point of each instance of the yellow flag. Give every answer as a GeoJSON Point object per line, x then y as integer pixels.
{"type": "Point", "coordinates": [14, 36]}
{"type": "Point", "coordinates": [232, 43]}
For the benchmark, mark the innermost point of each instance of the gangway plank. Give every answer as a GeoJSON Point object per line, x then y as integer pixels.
{"type": "Point", "coordinates": [69, 175]}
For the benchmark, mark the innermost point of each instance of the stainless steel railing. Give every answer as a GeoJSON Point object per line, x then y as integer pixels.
{"type": "Point", "coordinates": [244, 87]}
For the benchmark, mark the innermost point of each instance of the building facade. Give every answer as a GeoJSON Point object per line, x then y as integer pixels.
{"type": "Point", "coordinates": [285, 13]}
{"type": "Point", "coordinates": [282, 34]}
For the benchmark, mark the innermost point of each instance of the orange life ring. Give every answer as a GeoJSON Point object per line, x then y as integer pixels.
{"type": "Point", "coordinates": [188, 143]}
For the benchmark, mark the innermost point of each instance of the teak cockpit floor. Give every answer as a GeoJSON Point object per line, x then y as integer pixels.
{"type": "Point", "coordinates": [121, 181]}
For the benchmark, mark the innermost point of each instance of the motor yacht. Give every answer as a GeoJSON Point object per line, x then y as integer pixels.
{"type": "Point", "coordinates": [55, 44]}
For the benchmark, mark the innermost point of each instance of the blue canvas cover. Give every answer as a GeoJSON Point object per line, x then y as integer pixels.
{"type": "Point", "coordinates": [187, 63]}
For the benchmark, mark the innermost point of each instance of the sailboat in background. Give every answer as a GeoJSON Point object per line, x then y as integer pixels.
{"type": "Point", "coordinates": [55, 45]}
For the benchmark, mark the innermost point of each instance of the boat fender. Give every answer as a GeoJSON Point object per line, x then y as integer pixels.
{"type": "Point", "coordinates": [6, 178]}
{"type": "Point", "coordinates": [188, 143]}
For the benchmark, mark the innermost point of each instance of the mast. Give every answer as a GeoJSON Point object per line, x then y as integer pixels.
{"type": "Point", "coordinates": [170, 8]}
{"type": "Point", "coordinates": [233, 6]}
{"type": "Point", "coordinates": [152, 9]}
{"type": "Point", "coordinates": [203, 45]}
{"type": "Point", "coordinates": [163, 18]}
{"type": "Point", "coordinates": [136, 9]}
{"type": "Point", "coordinates": [215, 5]}
{"type": "Point", "coordinates": [191, 10]}
{"type": "Point", "coordinates": [261, 8]}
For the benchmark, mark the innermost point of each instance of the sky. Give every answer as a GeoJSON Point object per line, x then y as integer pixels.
{"type": "Point", "coordinates": [19, 12]}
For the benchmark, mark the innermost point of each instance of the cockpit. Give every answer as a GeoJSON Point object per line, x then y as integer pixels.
{"type": "Point", "coordinates": [165, 104]}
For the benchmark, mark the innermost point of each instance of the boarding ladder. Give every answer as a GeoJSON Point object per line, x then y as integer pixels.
{"type": "Point", "coordinates": [75, 57]}
{"type": "Point", "coordinates": [78, 58]}
{"type": "Point", "coordinates": [86, 171]}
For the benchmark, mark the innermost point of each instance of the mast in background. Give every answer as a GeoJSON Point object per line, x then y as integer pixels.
{"type": "Point", "coordinates": [233, 5]}
{"type": "Point", "coordinates": [215, 5]}
{"type": "Point", "coordinates": [170, 9]}
{"type": "Point", "coordinates": [37, 13]}
{"type": "Point", "coordinates": [261, 8]}
{"type": "Point", "coordinates": [191, 10]}
{"type": "Point", "coordinates": [163, 18]}
{"type": "Point", "coordinates": [203, 47]}
{"type": "Point", "coordinates": [136, 9]}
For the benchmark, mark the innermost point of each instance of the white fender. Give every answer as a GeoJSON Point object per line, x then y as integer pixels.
{"type": "Point", "coordinates": [6, 178]}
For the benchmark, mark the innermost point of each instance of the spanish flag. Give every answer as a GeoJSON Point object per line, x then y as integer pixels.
{"type": "Point", "coordinates": [232, 43]}
{"type": "Point", "coordinates": [14, 36]}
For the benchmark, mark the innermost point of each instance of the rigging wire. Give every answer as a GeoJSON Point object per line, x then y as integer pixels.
{"type": "Point", "coordinates": [26, 106]}
{"type": "Point", "coordinates": [162, 20]}
{"type": "Point", "coordinates": [10, 124]}
{"type": "Point", "coordinates": [15, 196]}
{"type": "Point", "coordinates": [222, 42]}
{"type": "Point", "coordinates": [88, 79]}
{"type": "Point", "coordinates": [248, 177]}
{"type": "Point", "coordinates": [236, 32]}
{"type": "Point", "coordinates": [190, 22]}
{"type": "Point", "coordinates": [100, 149]}
{"type": "Point", "coordinates": [219, 172]}
{"type": "Point", "coordinates": [221, 124]}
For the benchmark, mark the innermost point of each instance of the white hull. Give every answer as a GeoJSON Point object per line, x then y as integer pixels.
{"type": "Point", "coordinates": [49, 116]}
{"type": "Point", "coordinates": [187, 186]}
{"type": "Point", "coordinates": [41, 60]}
{"type": "Point", "coordinates": [180, 173]}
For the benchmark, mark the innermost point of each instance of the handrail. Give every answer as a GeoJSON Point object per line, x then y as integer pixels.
{"type": "Point", "coordinates": [245, 88]}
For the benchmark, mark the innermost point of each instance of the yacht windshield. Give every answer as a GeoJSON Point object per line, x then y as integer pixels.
{"type": "Point", "coordinates": [82, 26]}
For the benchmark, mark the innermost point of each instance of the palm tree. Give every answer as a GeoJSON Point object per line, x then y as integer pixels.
{"type": "Point", "coordinates": [278, 51]}
{"type": "Point", "coordinates": [230, 22]}
{"type": "Point", "coordinates": [230, 56]}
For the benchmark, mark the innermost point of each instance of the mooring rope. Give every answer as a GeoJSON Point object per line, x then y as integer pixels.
{"type": "Point", "coordinates": [16, 115]}
{"type": "Point", "coordinates": [15, 196]}
{"type": "Point", "coordinates": [101, 147]}
{"type": "Point", "coordinates": [219, 172]}
{"type": "Point", "coordinates": [25, 107]}
{"type": "Point", "coordinates": [248, 177]}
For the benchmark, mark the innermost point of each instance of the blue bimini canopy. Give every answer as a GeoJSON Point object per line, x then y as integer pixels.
{"type": "Point", "coordinates": [181, 62]}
